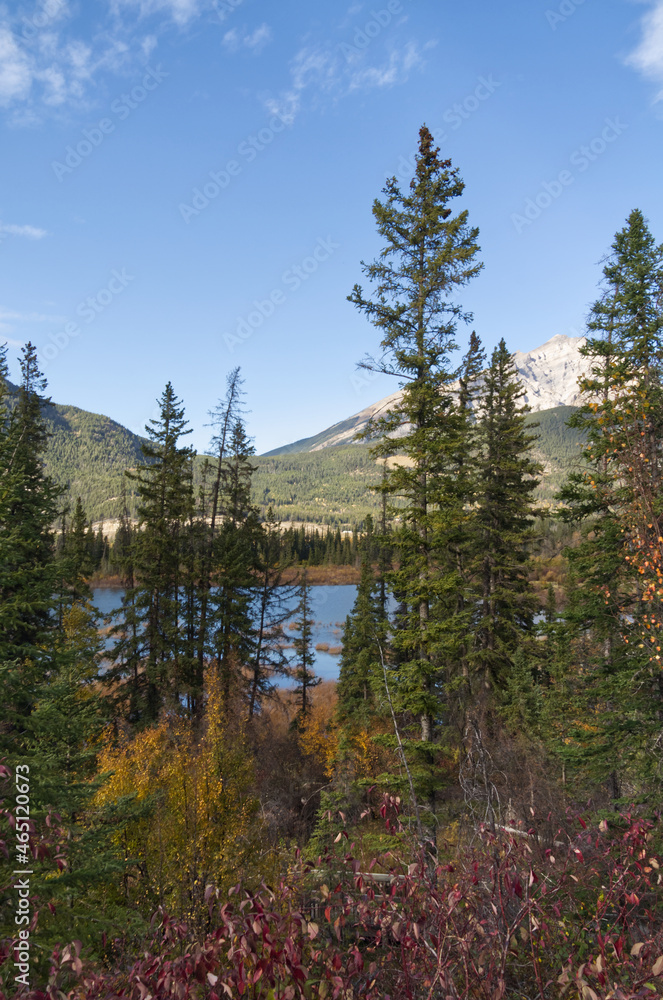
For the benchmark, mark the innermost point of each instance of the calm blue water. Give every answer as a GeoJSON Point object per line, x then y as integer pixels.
{"type": "Point", "coordinates": [329, 608]}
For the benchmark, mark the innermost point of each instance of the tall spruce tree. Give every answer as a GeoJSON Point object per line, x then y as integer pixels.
{"type": "Point", "coordinates": [366, 629]}
{"type": "Point", "coordinates": [224, 417]}
{"type": "Point", "coordinates": [456, 526]}
{"type": "Point", "coordinates": [195, 595]}
{"type": "Point", "coordinates": [270, 610]}
{"type": "Point", "coordinates": [125, 674]}
{"type": "Point", "coordinates": [28, 508]}
{"type": "Point", "coordinates": [233, 565]}
{"type": "Point", "coordinates": [76, 557]}
{"type": "Point", "coordinates": [429, 254]}
{"type": "Point", "coordinates": [622, 416]}
{"type": "Point", "coordinates": [303, 673]}
{"type": "Point", "coordinates": [503, 519]}
{"type": "Point", "coordinates": [164, 488]}
{"type": "Point", "coordinates": [52, 715]}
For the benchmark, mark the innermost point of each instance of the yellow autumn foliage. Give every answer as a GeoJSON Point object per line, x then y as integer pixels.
{"type": "Point", "coordinates": [200, 824]}
{"type": "Point", "coordinates": [319, 735]}
{"type": "Point", "coordinates": [335, 747]}
{"type": "Point", "coordinates": [79, 639]}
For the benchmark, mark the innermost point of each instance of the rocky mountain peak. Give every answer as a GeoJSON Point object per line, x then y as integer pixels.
{"type": "Point", "coordinates": [550, 373]}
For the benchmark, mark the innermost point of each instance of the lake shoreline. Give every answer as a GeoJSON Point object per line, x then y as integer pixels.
{"type": "Point", "coordinates": [329, 607]}
{"type": "Point", "coordinates": [318, 576]}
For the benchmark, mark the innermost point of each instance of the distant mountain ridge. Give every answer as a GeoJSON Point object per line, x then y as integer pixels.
{"type": "Point", "coordinates": [310, 480]}
{"type": "Point", "coordinates": [549, 374]}
{"type": "Point", "coordinates": [87, 454]}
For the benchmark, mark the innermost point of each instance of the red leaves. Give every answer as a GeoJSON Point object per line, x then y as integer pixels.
{"type": "Point", "coordinates": [71, 956]}
{"type": "Point", "coordinates": [657, 968]}
{"type": "Point", "coordinates": [500, 911]}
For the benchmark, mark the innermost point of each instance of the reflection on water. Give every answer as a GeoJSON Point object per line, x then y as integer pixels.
{"type": "Point", "coordinates": [329, 608]}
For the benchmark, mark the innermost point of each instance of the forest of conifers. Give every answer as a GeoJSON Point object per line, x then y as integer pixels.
{"type": "Point", "coordinates": [473, 811]}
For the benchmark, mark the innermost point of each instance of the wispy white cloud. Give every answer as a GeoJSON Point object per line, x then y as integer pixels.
{"type": "Point", "coordinates": [231, 40]}
{"type": "Point", "coordinates": [255, 40]}
{"type": "Point", "coordinates": [181, 11]}
{"type": "Point", "coordinates": [396, 70]}
{"type": "Point", "coordinates": [10, 317]}
{"type": "Point", "coordinates": [647, 57]}
{"type": "Point", "coordinates": [29, 232]}
{"type": "Point", "coordinates": [323, 70]}
{"type": "Point", "coordinates": [15, 69]}
{"type": "Point", "coordinates": [42, 69]}
{"type": "Point", "coordinates": [33, 317]}
{"type": "Point", "coordinates": [45, 64]}
{"type": "Point", "coordinates": [45, 67]}
{"type": "Point", "coordinates": [34, 61]}
{"type": "Point", "coordinates": [148, 45]}
{"type": "Point", "coordinates": [311, 67]}
{"type": "Point", "coordinates": [259, 38]}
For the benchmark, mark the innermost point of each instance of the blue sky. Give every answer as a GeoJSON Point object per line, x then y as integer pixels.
{"type": "Point", "coordinates": [186, 185]}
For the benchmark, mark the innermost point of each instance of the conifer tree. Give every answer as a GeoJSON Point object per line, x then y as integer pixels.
{"type": "Point", "coordinates": [125, 674]}
{"type": "Point", "coordinates": [361, 670]}
{"type": "Point", "coordinates": [51, 713]}
{"type": "Point", "coordinates": [456, 525]}
{"type": "Point", "coordinates": [270, 609]}
{"type": "Point", "coordinates": [165, 498]}
{"type": "Point", "coordinates": [195, 594]}
{"type": "Point", "coordinates": [429, 254]}
{"type": "Point", "coordinates": [503, 521]}
{"type": "Point", "coordinates": [234, 559]}
{"type": "Point", "coordinates": [615, 497]}
{"type": "Point", "coordinates": [28, 507]}
{"type": "Point", "coordinates": [76, 562]}
{"type": "Point", "coordinates": [303, 673]}
{"type": "Point", "coordinates": [224, 418]}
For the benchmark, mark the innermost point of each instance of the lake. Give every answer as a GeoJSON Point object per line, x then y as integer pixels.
{"type": "Point", "coordinates": [329, 609]}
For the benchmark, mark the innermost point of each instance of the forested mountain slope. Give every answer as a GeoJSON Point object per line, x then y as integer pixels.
{"type": "Point", "coordinates": [88, 454]}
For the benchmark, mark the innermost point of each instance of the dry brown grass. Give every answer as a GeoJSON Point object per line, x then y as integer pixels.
{"type": "Point", "coordinates": [323, 575]}
{"type": "Point", "coordinates": [316, 575]}
{"type": "Point", "coordinates": [281, 709]}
